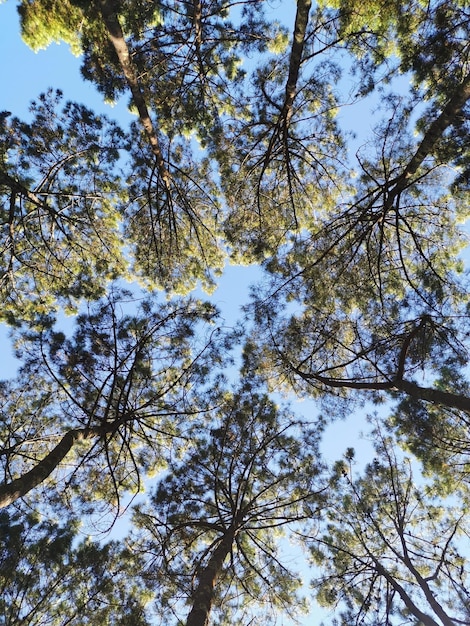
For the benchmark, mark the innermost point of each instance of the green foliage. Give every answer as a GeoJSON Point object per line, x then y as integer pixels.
{"type": "Point", "coordinates": [48, 576]}
{"type": "Point", "coordinates": [59, 203]}
{"type": "Point", "coordinates": [239, 151]}
{"type": "Point", "coordinates": [43, 23]}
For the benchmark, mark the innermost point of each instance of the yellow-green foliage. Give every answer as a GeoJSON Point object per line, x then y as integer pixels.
{"type": "Point", "coordinates": [279, 43]}
{"type": "Point", "coordinates": [50, 21]}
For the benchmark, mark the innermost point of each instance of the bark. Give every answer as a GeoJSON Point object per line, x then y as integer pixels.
{"type": "Point", "coordinates": [17, 488]}
{"type": "Point", "coordinates": [197, 22]}
{"type": "Point", "coordinates": [203, 596]}
{"type": "Point", "coordinates": [433, 603]}
{"type": "Point", "coordinates": [116, 36]}
{"type": "Point", "coordinates": [436, 396]}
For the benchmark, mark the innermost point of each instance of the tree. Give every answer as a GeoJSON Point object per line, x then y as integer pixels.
{"type": "Point", "coordinates": [237, 152]}
{"type": "Point", "coordinates": [391, 550]}
{"type": "Point", "coordinates": [213, 526]}
{"type": "Point", "coordinates": [110, 400]}
{"type": "Point", "coordinates": [286, 146]}
{"type": "Point", "coordinates": [59, 199]}
{"type": "Point", "coordinates": [284, 152]}
{"type": "Point", "coordinates": [48, 576]}
{"type": "Point", "coordinates": [377, 280]}
{"type": "Point", "coordinates": [179, 63]}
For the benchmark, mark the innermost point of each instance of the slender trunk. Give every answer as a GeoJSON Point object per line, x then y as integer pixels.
{"type": "Point", "coordinates": [282, 123]}
{"type": "Point", "coordinates": [204, 593]}
{"type": "Point", "coordinates": [424, 618]}
{"type": "Point", "coordinates": [431, 599]}
{"type": "Point", "coordinates": [197, 22]}
{"type": "Point", "coordinates": [116, 36]}
{"type": "Point", "coordinates": [435, 131]}
{"type": "Point", "coordinates": [17, 488]}
{"type": "Point", "coordinates": [298, 43]}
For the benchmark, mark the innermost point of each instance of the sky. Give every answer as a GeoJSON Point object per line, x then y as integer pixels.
{"type": "Point", "coordinates": [24, 74]}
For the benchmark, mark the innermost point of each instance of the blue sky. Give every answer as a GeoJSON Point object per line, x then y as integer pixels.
{"type": "Point", "coordinates": [24, 74]}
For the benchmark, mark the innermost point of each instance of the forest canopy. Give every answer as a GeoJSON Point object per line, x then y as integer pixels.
{"type": "Point", "coordinates": [324, 145]}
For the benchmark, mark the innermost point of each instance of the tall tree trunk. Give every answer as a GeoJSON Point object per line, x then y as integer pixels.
{"type": "Point", "coordinates": [204, 593]}
{"type": "Point", "coordinates": [298, 43]}
{"type": "Point", "coordinates": [436, 396]}
{"type": "Point", "coordinates": [295, 60]}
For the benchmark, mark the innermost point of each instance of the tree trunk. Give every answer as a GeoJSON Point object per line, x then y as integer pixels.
{"type": "Point", "coordinates": [116, 36]}
{"type": "Point", "coordinates": [17, 488]}
{"type": "Point", "coordinates": [436, 396]}
{"type": "Point", "coordinates": [204, 593]}
{"type": "Point", "coordinates": [424, 618]}
{"type": "Point", "coordinates": [427, 591]}
{"type": "Point", "coordinates": [435, 131]}
{"type": "Point", "coordinates": [300, 29]}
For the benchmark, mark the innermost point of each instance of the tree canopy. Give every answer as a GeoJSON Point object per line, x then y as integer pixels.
{"type": "Point", "coordinates": [325, 144]}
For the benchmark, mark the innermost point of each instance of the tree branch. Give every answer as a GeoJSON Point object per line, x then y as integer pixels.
{"type": "Point", "coordinates": [429, 394]}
